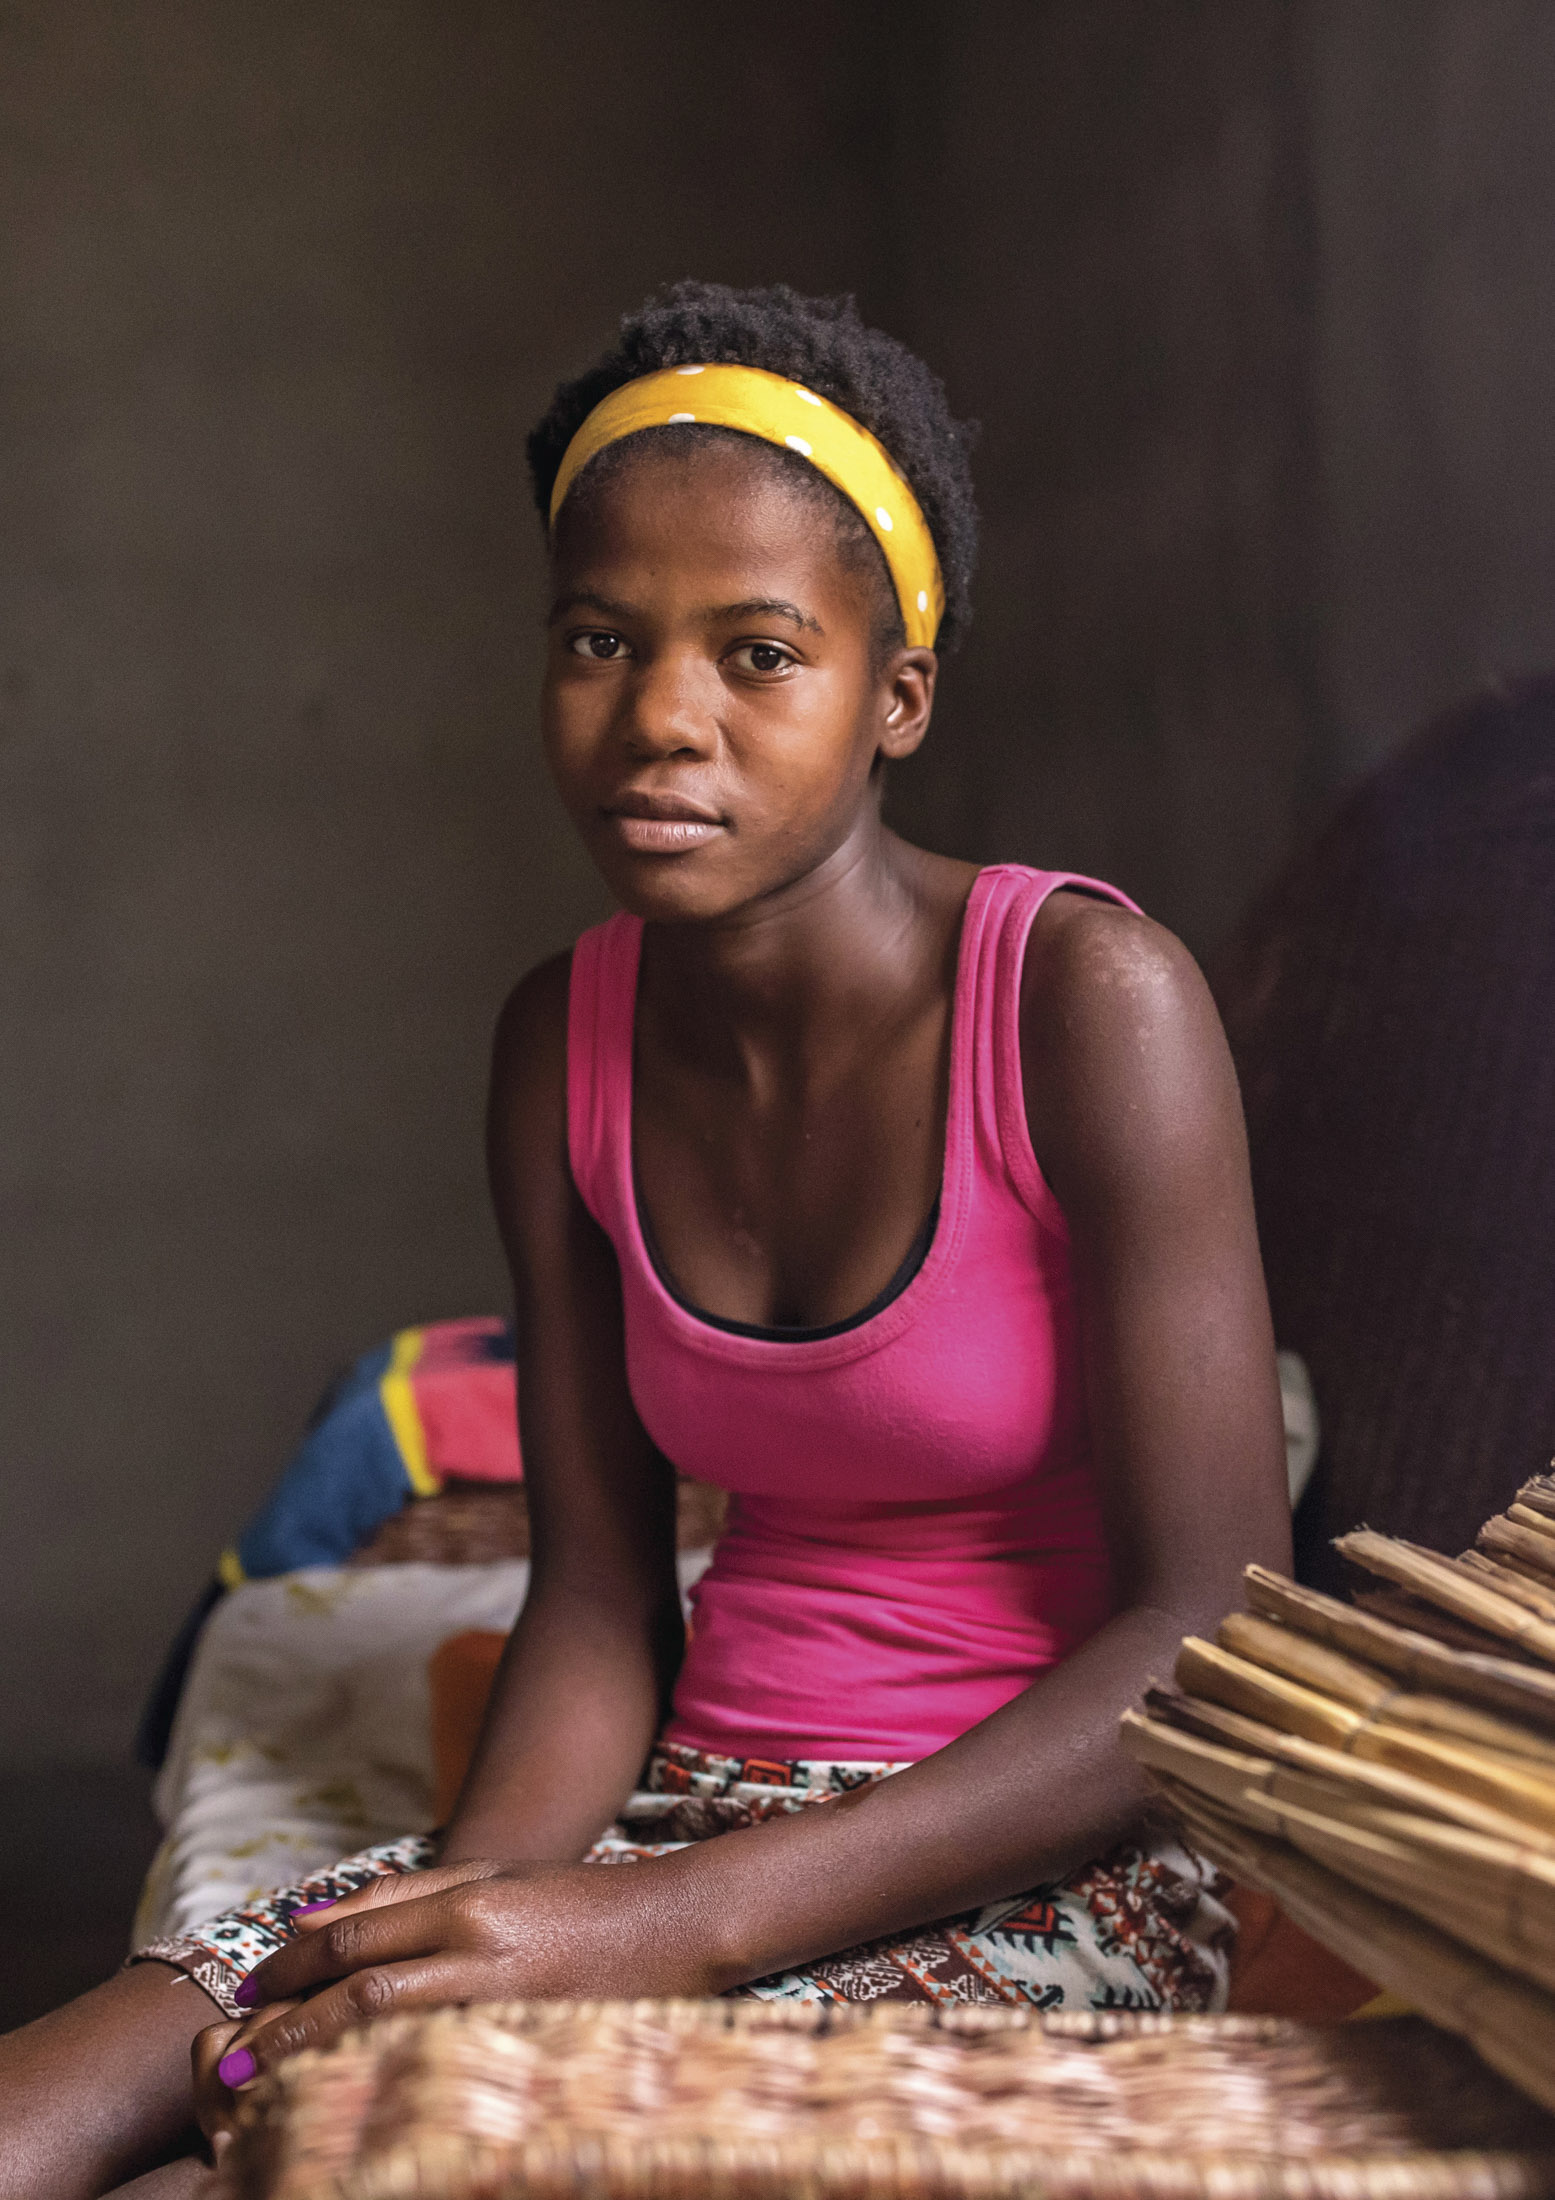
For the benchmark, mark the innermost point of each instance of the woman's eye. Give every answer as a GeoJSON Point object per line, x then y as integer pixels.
{"type": "Point", "coordinates": [762, 657]}
{"type": "Point", "coordinates": [602, 647]}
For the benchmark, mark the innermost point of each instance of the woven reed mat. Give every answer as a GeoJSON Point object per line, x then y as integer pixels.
{"type": "Point", "coordinates": [476, 1523]}
{"type": "Point", "coordinates": [712, 2100]}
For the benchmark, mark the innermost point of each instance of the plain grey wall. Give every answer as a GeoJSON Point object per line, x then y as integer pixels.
{"type": "Point", "coordinates": [1115, 275]}
{"type": "Point", "coordinates": [1433, 165]}
{"type": "Point", "coordinates": [281, 290]}
{"type": "Point", "coordinates": [1251, 297]}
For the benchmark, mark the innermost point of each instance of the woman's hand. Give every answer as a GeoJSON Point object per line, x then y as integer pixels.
{"type": "Point", "coordinates": [469, 1932]}
{"type": "Point", "coordinates": [214, 2106]}
{"type": "Point", "coordinates": [215, 2103]}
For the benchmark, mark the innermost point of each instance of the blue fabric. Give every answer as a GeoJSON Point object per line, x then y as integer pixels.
{"type": "Point", "coordinates": [345, 1478]}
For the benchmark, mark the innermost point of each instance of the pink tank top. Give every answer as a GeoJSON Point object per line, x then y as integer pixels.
{"type": "Point", "coordinates": [914, 1531]}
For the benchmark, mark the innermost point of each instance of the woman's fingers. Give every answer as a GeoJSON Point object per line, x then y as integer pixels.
{"type": "Point", "coordinates": [212, 2101]}
{"type": "Point", "coordinates": [210, 2054]}
{"type": "Point", "coordinates": [339, 1935]}
{"type": "Point", "coordinates": [395, 1933]}
{"type": "Point", "coordinates": [387, 1887]}
{"type": "Point", "coordinates": [351, 2001]}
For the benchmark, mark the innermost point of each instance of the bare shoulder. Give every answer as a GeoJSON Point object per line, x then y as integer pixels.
{"type": "Point", "coordinates": [1096, 962]}
{"type": "Point", "coordinates": [1122, 1051]}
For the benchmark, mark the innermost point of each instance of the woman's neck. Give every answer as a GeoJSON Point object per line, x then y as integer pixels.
{"type": "Point", "coordinates": [857, 943]}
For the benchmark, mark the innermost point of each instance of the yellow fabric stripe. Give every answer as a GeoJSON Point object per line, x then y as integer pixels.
{"type": "Point", "coordinates": [229, 1570]}
{"type": "Point", "coordinates": [399, 1405]}
{"type": "Point", "coordinates": [785, 413]}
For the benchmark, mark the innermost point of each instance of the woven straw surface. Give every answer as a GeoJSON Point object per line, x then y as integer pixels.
{"type": "Point", "coordinates": [475, 1523]}
{"type": "Point", "coordinates": [692, 2100]}
{"type": "Point", "coordinates": [1391, 1008]}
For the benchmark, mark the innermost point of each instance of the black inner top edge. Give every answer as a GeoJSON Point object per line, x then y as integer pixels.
{"type": "Point", "coordinates": [917, 1253]}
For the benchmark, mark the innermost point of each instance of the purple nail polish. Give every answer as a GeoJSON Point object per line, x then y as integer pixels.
{"type": "Point", "coordinates": [247, 1994]}
{"type": "Point", "coordinates": [237, 2068]}
{"type": "Point", "coordinates": [306, 1909]}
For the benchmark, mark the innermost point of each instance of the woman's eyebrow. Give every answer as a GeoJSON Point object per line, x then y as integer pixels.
{"type": "Point", "coordinates": [754, 607]}
{"type": "Point", "coordinates": [769, 607]}
{"type": "Point", "coordinates": [586, 599]}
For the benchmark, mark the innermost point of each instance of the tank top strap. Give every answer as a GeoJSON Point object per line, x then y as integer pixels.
{"type": "Point", "coordinates": [986, 1126]}
{"type": "Point", "coordinates": [1002, 909]}
{"type": "Point", "coordinates": [601, 1015]}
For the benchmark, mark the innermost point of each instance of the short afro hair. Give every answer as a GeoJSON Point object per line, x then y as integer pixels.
{"type": "Point", "coordinates": [822, 343]}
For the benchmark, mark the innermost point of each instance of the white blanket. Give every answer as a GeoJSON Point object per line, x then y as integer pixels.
{"type": "Point", "coordinates": [304, 1732]}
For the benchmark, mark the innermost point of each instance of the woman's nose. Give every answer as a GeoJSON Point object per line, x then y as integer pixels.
{"type": "Point", "coordinates": [667, 710]}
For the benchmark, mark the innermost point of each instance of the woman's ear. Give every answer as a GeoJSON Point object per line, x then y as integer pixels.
{"type": "Point", "coordinates": [907, 701]}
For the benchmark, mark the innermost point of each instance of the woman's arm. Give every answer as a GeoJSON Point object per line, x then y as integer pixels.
{"type": "Point", "coordinates": [585, 1681]}
{"type": "Point", "coordinates": [1134, 1112]}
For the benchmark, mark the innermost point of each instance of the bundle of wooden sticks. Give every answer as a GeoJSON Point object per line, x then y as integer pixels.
{"type": "Point", "coordinates": [1386, 1769]}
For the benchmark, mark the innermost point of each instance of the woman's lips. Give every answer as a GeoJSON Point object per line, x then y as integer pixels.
{"type": "Point", "coordinates": [661, 825]}
{"type": "Point", "coordinates": [662, 836]}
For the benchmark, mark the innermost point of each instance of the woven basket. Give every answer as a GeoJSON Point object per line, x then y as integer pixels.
{"type": "Point", "coordinates": [664, 2100]}
{"type": "Point", "coordinates": [476, 1523]}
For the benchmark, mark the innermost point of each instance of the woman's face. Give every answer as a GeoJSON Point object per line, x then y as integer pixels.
{"type": "Point", "coordinates": [713, 702]}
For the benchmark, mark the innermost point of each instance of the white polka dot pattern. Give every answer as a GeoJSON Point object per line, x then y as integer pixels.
{"type": "Point", "coordinates": [840, 448]}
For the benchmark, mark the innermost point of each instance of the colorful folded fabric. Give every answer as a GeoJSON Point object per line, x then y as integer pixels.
{"type": "Point", "coordinates": [434, 1404]}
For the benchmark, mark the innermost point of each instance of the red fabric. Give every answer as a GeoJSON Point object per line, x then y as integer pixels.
{"type": "Point", "coordinates": [469, 1418]}
{"type": "Point", "coordinates": [460, 1674]}
{"type": "Point", "coordinates": [1280, 1971]}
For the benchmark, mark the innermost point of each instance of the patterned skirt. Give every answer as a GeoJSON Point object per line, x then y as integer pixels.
{"type": "Point", "coordinates": [1143, 1928]}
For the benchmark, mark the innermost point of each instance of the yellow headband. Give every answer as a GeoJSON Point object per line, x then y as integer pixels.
{"type": "Point", "coordinates": [785, 413]}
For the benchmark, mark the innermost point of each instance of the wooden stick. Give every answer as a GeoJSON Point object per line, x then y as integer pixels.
{"type": "Point", "coordinates": [1282, 1650]}
{"type": "Point", "coordinates": [1530, 1516]}
{"type": "Point", "coordinates": [1514, 1877]}
{"type": "Point", "coordinates": [1400, 1609]}
{"type": "Point", "coordinates": [1378, 1783]}
{"type": "Point", "coordinates": [1501, 1879]}
{"type": "Point", "coordinates": [1527, 1585]}
{"type": "Point", "coordinates": [1204, 1669]}
{"type": "Point", "coordinates": [1361, 1687]}
{"type": "Point", "coordinates": [1222, 1774]}
{"type": "Point", "coordinates": [1391, 1868]}
{"type": "Point", "coordinates": [1453, 1588]}
{"type": "Point", "coordinates": [1510, 1577]}
{"type": "Point", "coordinates": [1509, 2022]}
{"type": "Point", "coordinates": [1501, 1684]}
{"type": "Point", "coordinates": [1539, 1495]}
{"type": "Point", "coordinates": [1531, 1547]}
{"type": "Point", "coordinates": [1461, 1722]}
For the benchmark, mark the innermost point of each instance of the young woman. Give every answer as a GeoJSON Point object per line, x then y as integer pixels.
{"type": "Point", "coordinates": [905, 1200]}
